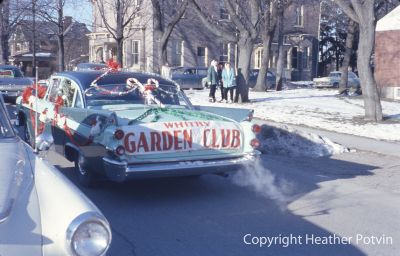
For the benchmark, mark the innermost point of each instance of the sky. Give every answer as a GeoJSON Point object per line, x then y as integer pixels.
{"type": "Point", "coordinates": [80, 11]}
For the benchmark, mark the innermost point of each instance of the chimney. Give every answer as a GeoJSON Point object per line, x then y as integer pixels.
{"type": "Point", "coordinates": [67, 21]}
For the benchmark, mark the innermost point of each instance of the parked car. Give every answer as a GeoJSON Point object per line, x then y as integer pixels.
{"type": "Point", "coordinates": [190, 77]}
{"type": "Point", "coordinates": [333, 80]}
{"type": "Point", "coordinates": [12, 82]}
{"type": "Point", "coordinates": [124, 125]}
{"type": "Point", "coordinates": [90, 66]}
{"type": "Point", "coordinates": [41, 211]}
{"type": "Point", "coordinates": [270, 79]}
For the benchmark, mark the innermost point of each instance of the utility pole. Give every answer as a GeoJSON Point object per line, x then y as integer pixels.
{"type": "Point", "coordinates": [33, 37]}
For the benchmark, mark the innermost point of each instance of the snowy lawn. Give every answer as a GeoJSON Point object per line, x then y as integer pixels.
{"type": "Point", "coordinates": [315, 108]}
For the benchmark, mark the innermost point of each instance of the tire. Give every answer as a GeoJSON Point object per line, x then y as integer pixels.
{"type": "Point", "coordinates": [85, 177]}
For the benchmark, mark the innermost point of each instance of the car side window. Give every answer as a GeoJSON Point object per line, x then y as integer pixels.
{"type": "Point", "coordinates": [202, 72]}
{"type": "Point", "coordinates": [68, 92]}
{"type": "Point", "coordinates": [54, 88]}
{"type": "Point", "coordinates": [78, 103]}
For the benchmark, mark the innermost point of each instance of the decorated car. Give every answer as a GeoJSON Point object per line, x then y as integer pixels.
{"type": "Point", "coordinates": [122, 125]}
{"type": "Point", "coordinates": [41, 211]}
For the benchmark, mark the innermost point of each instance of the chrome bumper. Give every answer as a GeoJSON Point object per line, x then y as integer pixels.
{"type": "Point", "coordinates": [121, 171]}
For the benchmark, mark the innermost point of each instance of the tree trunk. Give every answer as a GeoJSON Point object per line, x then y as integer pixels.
{"type": "Point", "coordinates": [61, 53]}
{"type": "Point", "coordinates": [120, 48]}
{"type": "Point", "coordinates": [279, 65]}
{"type": "Point", "coordinates": [33, 37]}
{"type": "Point", "coordinates": [245, 46]}
{"type": "Point", "coordinates": [60, 21]}
{"type": "Point", "coordinates": [372, 103]}
{"type": "Point", "coordinates": [5, 30]}
{"type": "Point", "coordinates": [261, 84]}
{"type": "Point", "coordinates": [347, 55]}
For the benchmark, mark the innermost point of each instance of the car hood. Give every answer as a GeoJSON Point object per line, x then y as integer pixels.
{"type": "Point", "coordinates": [15, 81]}
{"type": "Point", "coordinates": [15, 174]}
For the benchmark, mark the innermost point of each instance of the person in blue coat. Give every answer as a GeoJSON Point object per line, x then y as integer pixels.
{"type": "Point", "coordinates": [229, 82]}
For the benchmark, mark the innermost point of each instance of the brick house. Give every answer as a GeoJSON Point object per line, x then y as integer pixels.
{"type": "Point", "coordinates": [387, 55]}
{"type": "Point", "coordinates": [192, 44]}
{"type": "Point", "coordinates": [75, 44]}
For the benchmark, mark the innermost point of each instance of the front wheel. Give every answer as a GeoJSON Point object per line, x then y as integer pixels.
{"type": "Point", "coordinates": [85, 177]}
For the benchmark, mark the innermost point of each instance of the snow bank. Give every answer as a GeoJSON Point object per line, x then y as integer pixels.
{"type": "Point", "coordinates": [284, 140]}
{"type": "Point", "coordinates": [320, 109]}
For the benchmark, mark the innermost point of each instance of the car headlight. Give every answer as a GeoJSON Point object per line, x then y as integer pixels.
{"type": "Point", "coordinates": [89, 235]}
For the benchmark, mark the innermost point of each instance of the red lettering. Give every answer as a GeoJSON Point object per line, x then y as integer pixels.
{"type": "Point", "coordinates": [177, 142]}
{"type": "Point", "coordinates": [235, 138]}
{"type": "Point", "coordinates": [143, 143]}
{"type": "Point", "coordinates": [155, 141]}
{"type": "Point", "coordinates": [225, 138]}
{"type": "Point", "coordinates": [167, 140]}
{"type": "Point", "coordinates": [169, 125]}
{"type": "Point", "coordinates": [206, 123]}
{"type": "Point", "coordinates": [130, 146]}
{"type": "Point", "coordinates": [214, 139]}
{"type": "Point", "coordinates": [179, 125]}
{"type": "Point", "coordinates": [205, 137]}
{"type": "Point", "coordinates": [187, 138]}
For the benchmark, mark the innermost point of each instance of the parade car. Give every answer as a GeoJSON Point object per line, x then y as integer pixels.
{"type": "Point", "coordinates": [42, 212]}
{"type": "Point", "coordinates": [123, 125]}
{"type": "Point", "coordinates": [12, 81]}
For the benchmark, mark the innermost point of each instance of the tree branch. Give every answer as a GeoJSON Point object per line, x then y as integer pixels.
{"type": "Point", "coordinates": [348, 9]}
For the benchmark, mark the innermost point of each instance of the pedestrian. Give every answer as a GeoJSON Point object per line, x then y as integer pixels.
{"type": "Point", "coordinates": [220, 68]}
{"type": "Point", "coordinates": [229, 82]}
{"type": "Point", "coordinates": [212, 78]}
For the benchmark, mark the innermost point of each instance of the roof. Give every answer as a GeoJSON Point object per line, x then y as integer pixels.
{"type": "Point", "coordinates": [85, 78]}
{"type": "Point", "coordinates": [391, 21]}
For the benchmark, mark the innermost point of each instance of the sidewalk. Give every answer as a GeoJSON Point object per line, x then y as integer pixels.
{"type": "Point", "coordinates": [350, 141]}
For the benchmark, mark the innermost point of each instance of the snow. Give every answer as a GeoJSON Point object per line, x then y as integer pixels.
{"type": "Point", "coordinates": [321, 109]}
{"type": "Point", "coordinates": [390, 22]}
{"type": "Point", "coordinates": [284, 140]}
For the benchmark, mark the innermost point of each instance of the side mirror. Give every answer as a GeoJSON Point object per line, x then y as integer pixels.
{"type": "Point", "coordinates": [44, 141]}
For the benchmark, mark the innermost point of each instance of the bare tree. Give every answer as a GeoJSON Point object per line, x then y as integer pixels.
{"type": "Point", "coordinates": [11, 12]}
{"type": "Point", "coordinates": [53, 12]}
{"type": "Point", "coordinates": [267, 29]}
{"type": "Point", "coordinates": [280, 63]}
{"type": "Point", "coordinates": [245, 16]}
{"type": "Point", "coordinates": [118, 17]}
{"type": "Point", "coordinates": [351, 30]}
{"type": "Point", "coordinates": [164, 25]}
{"type": "Point", "coordinates": [363, 13]}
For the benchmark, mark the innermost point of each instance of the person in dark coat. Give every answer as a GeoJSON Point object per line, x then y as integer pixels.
{"type": "Point", "coordinates": [212, 79]}
{"type": "Point", "coordinates": [220, 82]}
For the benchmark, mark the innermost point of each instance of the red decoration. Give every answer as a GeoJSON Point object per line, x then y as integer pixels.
{"type": "Point", "coordinates": [113, 65]}
{"type": "Point", "coordinates": [29, 91]}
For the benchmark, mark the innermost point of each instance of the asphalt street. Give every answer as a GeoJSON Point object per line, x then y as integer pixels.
{"type": "Point", "coordinates": [354, 195]}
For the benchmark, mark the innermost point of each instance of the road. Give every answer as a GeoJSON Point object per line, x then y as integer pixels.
{"type": "Point", "coordinates": [350, 195]}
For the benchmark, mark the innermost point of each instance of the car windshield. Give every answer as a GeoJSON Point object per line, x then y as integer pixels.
{"type": "Point", "coordinates": [121, 94]}
{"type": "Point", "coordinates": [5, 126]}
{"type": "Point", "coordinates": [10, 73]}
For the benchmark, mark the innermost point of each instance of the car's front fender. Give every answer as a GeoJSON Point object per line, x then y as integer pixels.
{"type": "Point", "coordinates": [60, 203]}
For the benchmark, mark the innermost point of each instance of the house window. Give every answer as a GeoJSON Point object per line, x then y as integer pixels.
{"type": "Point", "coordinates": [258, 58]}
{"type": "Point", "coordinates": [201, 56]}
{"type": "Point", "coordinates": [300, 16]}
{"type": "Point", "coordinates": [223, 12]}
{"type": "Point", "coordinates": [224, 52]}
{"type": "Point", "coordinates": [135, 52]}
{"type": "Point", "coordinates": [306, 57]}
{"type": "Point", "coordinates": [294, 58]}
